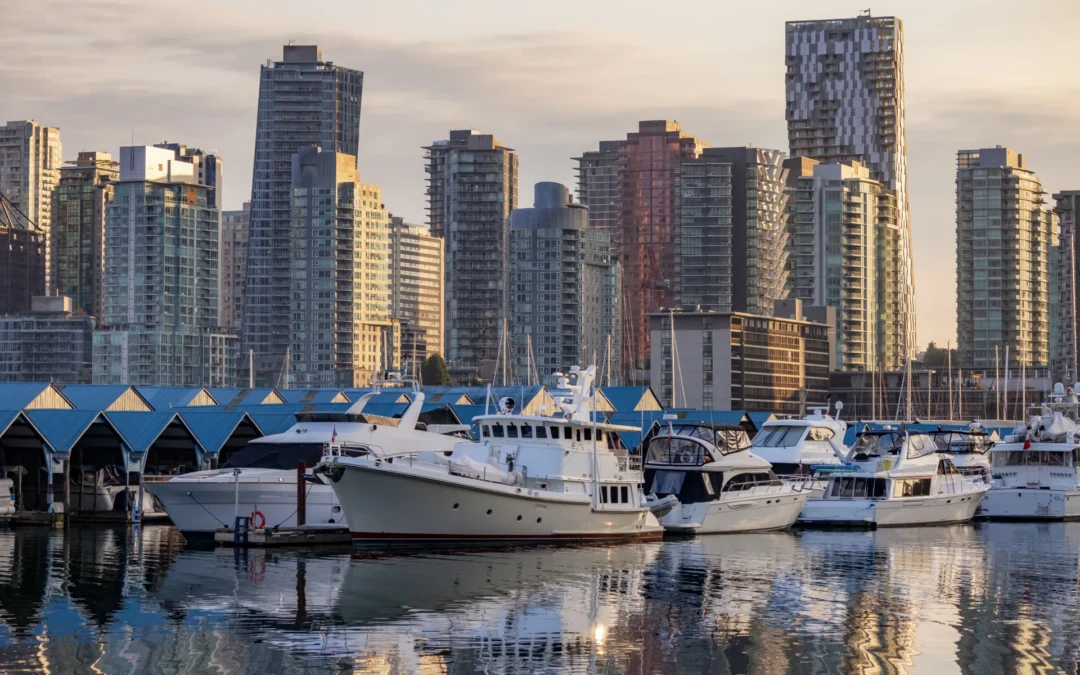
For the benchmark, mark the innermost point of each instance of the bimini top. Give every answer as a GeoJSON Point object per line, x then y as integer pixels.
{"type": "Point", "coordinates": [673, 446]}
{"type": "Point", "coordinates": [885, 443]}
{"type": "Point", "coordinates": [962, 442]}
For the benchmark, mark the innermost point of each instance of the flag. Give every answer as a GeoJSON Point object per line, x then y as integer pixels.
{"type": "Point", "coordinates": [333, 436]}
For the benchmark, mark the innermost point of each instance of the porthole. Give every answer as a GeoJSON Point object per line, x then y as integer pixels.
{"type": "Point", "coordinates": [456, 505]}
{"type": "Point", "coordinates": [519, 517]}
{"type": "Point", "coordinates": [489, 512]}
{"type": "Point", "coordinates": [539, 520]}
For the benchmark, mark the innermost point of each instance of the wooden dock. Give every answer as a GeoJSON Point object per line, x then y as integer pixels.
{"type": "Point", "coordinates": [305, 535]}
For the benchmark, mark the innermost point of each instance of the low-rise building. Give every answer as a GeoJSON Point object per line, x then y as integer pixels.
{"type": "Point", "coordinates": [51, 343]}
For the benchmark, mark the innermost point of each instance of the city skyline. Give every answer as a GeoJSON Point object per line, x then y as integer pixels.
{"type": "Point", "coordinates": [420, 83]}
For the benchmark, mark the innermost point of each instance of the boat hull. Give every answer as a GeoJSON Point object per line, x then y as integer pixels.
{"type": "Point", "coordinates": [1030, 504]}
{"type": "Point", "coordinates": [396, 502]}
{"type": "Point", "coordinates": [937, 510]}
{"type": "Point", "coordinates": [200, 508]}
{"type": "Point", "coordinates": [757, 513]}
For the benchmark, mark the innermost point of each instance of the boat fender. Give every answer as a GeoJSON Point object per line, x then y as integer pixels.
{"type": "Point", "coordinates": [258, 520]}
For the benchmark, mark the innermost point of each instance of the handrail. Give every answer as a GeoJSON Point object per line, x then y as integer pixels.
{"type": "Point", "coordinates": [767, 486]}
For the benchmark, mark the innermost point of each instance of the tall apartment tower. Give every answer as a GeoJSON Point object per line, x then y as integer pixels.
{"type": "Point", "coordinates": [472, 188]}
{"type": "Point", "coordinates": [78, 230]}
{"type": "Point", "coordinates": [845, 103]}
{"type": "Point", "coordinates": [30, 160]}
{"type": "Point", "coordinates": [234, 252]}
{"type": "Point", "coordinates": [650, 162]}
{"type": "Point", "coordinates": [843, 250]}
{"type": "Point", "coordinates": [161, 278]}
{"type": "Point", "coordinates": [339, 253]}
{"type": "Point", "coordinates": [1066, 358]}
{"type": "Point", "coordinates": [303, 101]}
{"type": "Point", "coordinates": [598, 186]}
{"type": "Point", "coordinates": [564, 296]}
{"type": "Point", "coordinates": [1004, 237]}
{"type": "Point", "coordinates": [22, 263]}
{"type": "Point", "coordinates": [730, 244]}
{"type": "Point", "coordinates": [416, 291]}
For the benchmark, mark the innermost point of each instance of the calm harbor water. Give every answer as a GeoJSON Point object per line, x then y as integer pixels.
{"type": "Point", "coordinates": [985, 598]}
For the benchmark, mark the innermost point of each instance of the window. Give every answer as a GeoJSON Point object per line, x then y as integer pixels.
{"type": "Point", "coordinates": [588, 434]}
{"type": "Point", "coordinates": [913, 487]}
{"type": "Point", "coordinates": [603, 494]}
{"type": "Point", "coordinates": [485, 431]}
{"type": "Point", "coordinates": [526, 431]}
{"type": "Point", "coordinates": [820, 434]}
{"type": "Point", "coordinates": [568, 433]}
{"type": "Point", "coordinates": [511, 431]}
{"type": "Point", "coordinates": [919, 445]}
{"type": "Point", "coordinates": [497, 430]}
{"type": "Point", "coordinates": [578, 434]}
{"type": "Point", "coordinates": [541, 432]}
{"type": "Point", "coordinates": [625, 491]}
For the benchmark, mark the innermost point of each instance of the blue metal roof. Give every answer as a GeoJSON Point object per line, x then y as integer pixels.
{"type": "Point", "coordinates": [270, 423]}
{"type": "Point", "coordinates": [6, 418]}
{"type": "Point", "coordinates": [163, 398]}
{"type": "Point", "coordinates": [93, 396]}
{"type": "Point", "coordinates": [62, 429]}
{"type": "Point", "coordinates": [213, 429]}
{"type": "Point", "coordinates": [760, 418]}
{"type": "Point", "coordinates": [624, 399]}
{"type": "Point", "coordinates": [231, 396]}
{"type": "Point", "coordinates": [309, 395]}
{"type": "Point", "coordinates": [18, 395]}
{"type": "Point", "coordinates": [140, 429]}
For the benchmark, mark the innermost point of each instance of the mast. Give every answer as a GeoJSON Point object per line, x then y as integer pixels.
{"type": "Point", "coordinates": [1005, 395]}
{"type": "Point", "coordinates": [674, 391]}
{"type": "Point", "coordinates": [528, 359]}
{"type": "Point", "coordinates": [948, 357]}
{"type": "Point", "coordinates": [908, 378]}
{"type": "Point", "coordinates": [929, 400]}
{"type": "Point", "coordinates": [997, 384]}
{"type": "Point", "coordinates": [960, 392]}
{"type": "Point", "coordinates": [607, 358]}
{"type": "Point", "coordinates": [251, 369]}
{"type": "Point", "coordinates": [873, 395]}
{"type": "Point", "coordinates": [1023, 391]}
{"type": "Point", "coordinates": [595, 459]}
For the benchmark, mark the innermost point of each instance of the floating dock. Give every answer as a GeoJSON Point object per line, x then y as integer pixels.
{"type": "Point", "coordinates": [305, 535]}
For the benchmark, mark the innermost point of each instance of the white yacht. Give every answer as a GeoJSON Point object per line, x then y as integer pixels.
{"type": "Point", "coordinates": [795, 447]}
{"type": "Point", "coordinates": [547, 478]}
{"type": "Point", "coordinates": [718, 484]}
{"type": "Point", "coordinates": [894, 477]}
{"type": "Point", "coordinates": [1034, 471]}
{"type": "Point", "coordinates": [967, 448]}
{"type": "Point", "coordinates": [260, 480]}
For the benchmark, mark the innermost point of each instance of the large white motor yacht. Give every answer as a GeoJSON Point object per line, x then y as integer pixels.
{"type": "Point", "coordinates": [894, 477]}
{"type": "Point", "coordinates": [795, 446]}
{"type": "Point", "coordinates": [552, 478]}
{"type": "Point", "coordinates": [718, 484]}
{"type": "Point", "coordinates": [1034, 471]}
{"type": "Point", "coordinates": [260, 481]}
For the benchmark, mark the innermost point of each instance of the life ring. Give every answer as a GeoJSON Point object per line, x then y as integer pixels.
{"type": "Point", "coordinates": [257, 515]}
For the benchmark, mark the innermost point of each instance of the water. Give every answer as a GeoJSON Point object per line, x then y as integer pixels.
{"type": "Point", "coordinates": [987, 598]}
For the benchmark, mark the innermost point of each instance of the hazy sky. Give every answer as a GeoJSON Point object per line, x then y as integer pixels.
{"type": "Point", "coordinates": [549, 79]}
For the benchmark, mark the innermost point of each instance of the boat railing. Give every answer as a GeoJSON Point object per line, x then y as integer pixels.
{"type": "Point", "coordinates": [352, 450]}
{"type": "Point", "coordinates": [629, 462]}
{"type": "Point", "coordinates": [771, 486]}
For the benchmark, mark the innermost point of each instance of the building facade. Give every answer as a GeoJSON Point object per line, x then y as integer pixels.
{"type": "Point", "coordinates": [472, 188]}
{"type": "Point", "coordinates": [340, 267]}
{"type": "Point", "coordinates": [650, 161]}
{"type": "Point", "coordinates": [1004, 237]}
{"type": "Point", "coordinates": [51, 343]}
{"type": "Point", "coordinates": [1065, 358]}
{"type": "Point", "coordinates": [845, 103]}
{"type": "Point", "coordinates": [161, 278]}
{"type": "Point", "coordinates": [598, 186]}
{"type": "Point", "coordinates": [234, 252]}
{"type": "Point", "coordinates": [416, 291]}
{"type": "Point", "coordinates": [736, 361]}
{"type": "Point", "coordinates": [303, 101]}
{"type": "Point", "coordinates": [843, 251]}
{"type": "Point", "coordinates": [78, 230]}
{"type": "Point", "coordinates": [22, 261]}
{"type": "Point", "coordinates": [30, 160]}
{"type": "Point", "coordinates": [731, 239]}
{"type": "Point", "coordinates": [564, 290]}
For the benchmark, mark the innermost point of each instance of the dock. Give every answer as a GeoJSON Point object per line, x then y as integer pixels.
{"type": "Point", "coordinates": [305, 535]}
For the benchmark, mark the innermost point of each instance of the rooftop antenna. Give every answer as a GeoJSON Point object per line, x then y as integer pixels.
{"type": "Point", "coordinates": [865, 12]}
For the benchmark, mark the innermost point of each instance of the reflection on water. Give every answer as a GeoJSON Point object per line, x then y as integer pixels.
{"type": "Point", "coordinates": [991, 598]}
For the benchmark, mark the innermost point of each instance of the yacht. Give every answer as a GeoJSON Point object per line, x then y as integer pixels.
{"type": "Point", "coordinates": [529, 478]}
{"type": "Point", "coordinates": [1034, 471]}
{"type": "Point", "coordinates": [260, 481]}
{"type": "Point", "coordinates": [799, 447]}
{"type": "Point", "coordinates": [894, 477]}
{"type": "Point", "coordinates": [967, 448]}
{"type": "Point", "coordinates": [718, 484]}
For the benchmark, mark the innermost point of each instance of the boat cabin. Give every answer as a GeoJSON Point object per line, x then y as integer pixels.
{"type": "Point", "coordinates": [794, 446]}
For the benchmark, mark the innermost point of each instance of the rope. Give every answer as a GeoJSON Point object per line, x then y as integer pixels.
{"type": "Point", "coordinates": [297, 509]}
{"type": "Point", "coordinates": [206, 509]}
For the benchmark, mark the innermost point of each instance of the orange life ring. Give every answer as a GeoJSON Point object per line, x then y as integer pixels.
{"type": "Point", "coordinates": [258, 515]}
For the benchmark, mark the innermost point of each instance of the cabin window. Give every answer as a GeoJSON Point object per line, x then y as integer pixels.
{"type": "Point", "coordinates": [820, 434]}
{"type": "Point", "coordinates": [913, 487]}
{"type": "Point", "coordinates": [541, 432]}
{"type": "Point", "coordinates": [624, 491]}
{"type": "Point", "coordinates": [497, 430]}
{"type": "Point", "coordinates": [600, 435]}
{"type": "Point", "coordinates": [511, 431]}
{"type": "Point", "coordinates": [846, 487]}
{"type": "Point", "coordinates": [578, 434]}
{"type": "Point", "coordinates": [588, 434]}
{"type": "Point", "coordinates": [682, 451]}
{"type": "Point", "coordinates": [945, 466]}
{"type": "Point", "coordinates": [689, 488]}
{"type": "Point", "coordinates": [919, 445]}
{"type": "Point", "coordinates": [603, 494]}
{"type": "Point", "coordinates": [526, 431]}
{"type": "Point", "coordinates": [568, 433]}
{"type": "Point", "coordinates": [485, 431]}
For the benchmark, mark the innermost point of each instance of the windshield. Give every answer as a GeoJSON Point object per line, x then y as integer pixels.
{"type": "Point", "coordinates": [920, 445]}
{"type": "Point", "coordinates": [275, 456]}
{"type": "Point", "coordinates": [779, 436]}
{"type": "Point", "coordinates": [957, 442]}
{"type": "Point", "coordinates": [879, 444]}
{"type": "Point", "coordinates": [677, 451]}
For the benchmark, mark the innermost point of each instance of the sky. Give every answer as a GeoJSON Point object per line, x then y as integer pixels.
{"type": "Point", "coordinates": [550, 80]}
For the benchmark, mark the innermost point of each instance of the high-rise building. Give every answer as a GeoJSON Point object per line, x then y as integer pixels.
{"type": "Point", "coordinates": [650, 161]}
{"type": "Point", "coordinates": [78, 230]}
{"type": "Point", "coordinates": [1066, 358]}
{"type": "Point", "coordinates": [416, 291]}
{"type": "Point", "coordinates": [1004, 237]}
{"type": "Point", "coordinates": [843, 249]}
{"type": "Point", "coordinates": [161, 278]}
{"type": "Point", "coordinates": [303, 101]}
{"type": "Point", "coordinates": [845, 103]}
{"type": "Point", "coordinates": [50, 343]}
{"type": "Point", "coordinates": [598, 186]}
{"type": "Point", "coordinates": [22, 261]}
{"type": "Point", "coordinates": [340, 267]}
{"type": "Point", "coordinates": [564, 294]}
{"type": "Point", "coordinates": [30, 159]}
{"type": "Point", "coordinates": [730, 243]}
{"type": "Point", "coordinates": [234, 251]}
{"type": "Point", "coordinates": [472, 188]}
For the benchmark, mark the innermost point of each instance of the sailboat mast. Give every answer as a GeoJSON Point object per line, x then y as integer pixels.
{"type": "Point", "coordinates": [948, 358]}
{"type": "Point", "coordinates": [1005, 395]}
{"type": "Point", "coordinates": [674, 391]}
{"type": "Point", "coordinates": [997, 385]}
{"type": "Point", "coordinates": [909, 418]}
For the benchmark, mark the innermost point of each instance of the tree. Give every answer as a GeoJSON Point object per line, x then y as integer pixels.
{"type": "Point", "coordinates": [936, 357]}
{"type": "Point", "coordinates": [433, 371]}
